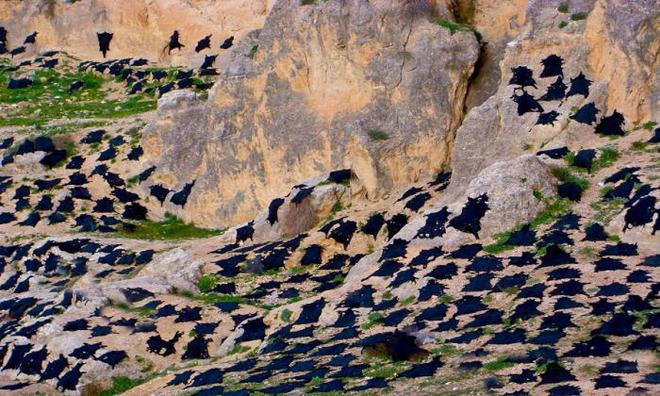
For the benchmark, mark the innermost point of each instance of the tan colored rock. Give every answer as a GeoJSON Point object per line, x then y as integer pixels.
{"type": "Point", "coordinates": [614, 46]}
{"type": "Point", "coordinates": [141, 27]}
{"type": "Point", "coordinates": [300, 98]}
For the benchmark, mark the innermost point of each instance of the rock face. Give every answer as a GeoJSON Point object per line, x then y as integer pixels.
{"type": "Point", "coordinates": [377, 87]}
{"type": "Point", "coordinates": [613, 43]}
{"type": "Point", "coordinates": [141, 27]}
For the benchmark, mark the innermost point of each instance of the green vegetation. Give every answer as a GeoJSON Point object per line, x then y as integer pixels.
{"type": "Point", "coordinates": [445, 299]}
{"type": "Point", "coordinates": [454, 27]}
{"type": "Point", "coordinates": [563, 8]}
{"type": "Point", "coordinates": [639, 145]}
{"type": "Point", "coordinates": [307, 2]}
{"type": "Point", "coordinates": [408, 300]}
{"type": "Point", "coordinates": [172, 228]}
{"type": "Point", "coordinates": [562, 24]}
{"type": "Point", "coordinates": [649, 125]}
{"type": "Point", "coordinates": [607, 157]}
{"type": "Point", "coordinates": [564, 175]}
{"type": "Point", "coordinates": [446, 350]}
{"type": "Point", "coordinates": [384, 371]}
{"type": "Point", "coordinates": [49, 99]}
{"type": "Point", "coordinates": [122, 384]}
{"type": "Point", "coordinates": [578, 16]}
{"type": "Point", "coordinates": [607, 209]}
{"type": "Point", "coordinates": [336, 208]}
{"type": "Point", "coordinates": [253, 51]}
{"type": "Point", "coordinates": [206, 283]}
{"type": "Point", "coordinates": [139, 311]}
{"type": "Point", "coordinates": [500, 243]}
{"type": "Point", "coordinates": [214, 298]}
{"type": "Point", "coordinates": [238, 348]}
{"type": "Point", "coordinates": [286, 315]}
{"type": "Point", "coordinates": [374, 318]}
{"type": "Point", "coordinates": [552, 211]}
{"type": "Point", "coordinates": [378, 135]}
{"type": "Point", "coordinates": [538, 195]}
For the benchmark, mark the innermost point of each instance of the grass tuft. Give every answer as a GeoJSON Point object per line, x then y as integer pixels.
{"type": "Point", "coordinates": [172, 228]}
{"type": "Point", "coordinates": [377, 135]}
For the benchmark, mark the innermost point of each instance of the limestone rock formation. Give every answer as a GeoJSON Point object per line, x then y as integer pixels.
{"type": "Point", "coordinates": [141, 28]}
{"type": "Point", "coordinates": [614, 43]}
{"type": "Point", "coordinates": [376, 87]}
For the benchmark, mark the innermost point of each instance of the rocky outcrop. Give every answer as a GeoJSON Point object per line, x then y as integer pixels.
{"type": "Point", "coordinates": [141, 28]}
{"type": "Point", "coordinates": [377, 87]}
{"type": "Point", "coordinates": [613, 43]}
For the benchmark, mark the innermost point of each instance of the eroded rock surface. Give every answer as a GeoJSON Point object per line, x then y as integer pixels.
{"type": "Point", "coordinates": [376, 87]}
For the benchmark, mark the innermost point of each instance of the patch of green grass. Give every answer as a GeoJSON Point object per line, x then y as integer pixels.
{"type": "Point", "coordinates": [563, 8]}
{"type": "Point", "coordinates": [562, 24]}
{"type": "Point", "coordinates": [206, 283]}
{"type": "Point", "coordinates": [607, 209]}
{"type": "Point", "coordinates": [500, 243]}
{"type": "Point", "coordinates": [588, 252]}
{"type": "Point", "coordinates": [339, 278]}
{"type": "Point", "coordinates": [455, 27]}
{"type": "Point", "coordinates": [538, 195]}
{"type": "Point", "coordinates": [286, 315]}
{"type": "Point", "coordinates": [639, 145]}
{"type": "Point", "coordinates": [377, 135]}
{"type": "Point", "coordinates": [446, 350]}
{"type": "Point", "coordinates": [408, 300]}
{"type": "Point", "coordinates": [172, 228]}
{"type": "Point", "coordinates": [552, 211]}
{"type": "Point", "coordinates": [578, 16]}
{"type": "Point", "coordinates": [649, 125]}
{"type": "Point", "coordinates": [238, 348]}
{"type": "Point", "coordinates": [607, 157]}
{"type": "Point", "coordinates": [564, 175]}
{"type": "Point", "coordinates": [384, 370]}
{"type": "Point", "coordinates": [307, 2]}
{"type": "Point", "coordinates": [138, 311]}
{"type": "Point", "coordinates": [589, 370]}
{"type": "Point", "coordinates": [373, 319]}
{"type": "Point", "coordinates": [336, 208]}
{"type": "Point", "coordinates": [445, 299]}
{"type": "Point", "coordinates": [122, 384]}
{"type": "Point", "coordinates": [214, 298]}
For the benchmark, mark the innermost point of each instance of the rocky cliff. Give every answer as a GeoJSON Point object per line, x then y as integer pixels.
{"type": "Point", "coordinates": [376, 87]}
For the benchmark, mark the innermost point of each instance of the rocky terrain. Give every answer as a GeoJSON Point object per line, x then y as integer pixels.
{"type": "Point", "coordinates": [380, 197]}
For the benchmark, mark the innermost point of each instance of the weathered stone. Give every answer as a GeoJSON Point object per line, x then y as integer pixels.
{"type": "Point", "coordinates": [322, 80]}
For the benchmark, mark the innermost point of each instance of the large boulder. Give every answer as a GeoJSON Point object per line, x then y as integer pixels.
{"type": "Point", "coordinates": [375, 86]}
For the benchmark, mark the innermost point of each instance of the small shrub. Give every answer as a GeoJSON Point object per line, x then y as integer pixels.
{"type": "Point", "coordinates": [378, 135]}
{"type": "Point", "coordinates": [206, 283]}
{"type": "Point", "coordinates": [563, 8]}
{"type": "Point", "coordinates": [498, 364]}
{"type": "Point", "coordinates": [565, 176]}
{"type": "Point", "coordinates": [373, 319]}
{"type": "Point", "coordinates": [607, 157]}
{"type": "Point", "coordinates": [307, 2]}
{"type": "Point", "coordinates": [286, 315]}
{"type": "Point", "coordinates": [551, 212]}
{"type": "Point", "coordinates": [639, 145]}
{"type": "Point", "coordinates": [253, 51]}
{"type": "Point", "coordinates": [649, 125]}
{"type": "Point", "coordinates": [562, 24]}
{"type": "Point", "coordinates": [578, 16]}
